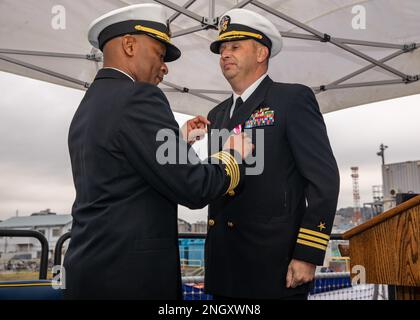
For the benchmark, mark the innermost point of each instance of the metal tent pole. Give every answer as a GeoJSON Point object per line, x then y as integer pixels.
{"type": "Point", "coordinates": [327, 38]}
{"type": "Point", "coordinates": [45, 71]}
{"type": "Point", "coordinates": [211, 22]}
{"type": "Point", "coordinates": [366, 68]}
{"type": "Point", "coordinates": [177, 14]}
{"type": "Point", "coordinates": [304, 36]}
{"type": "Point", "coordinates": [184, 32]}
{"type": "Point", "coordinates": [93, 57]}
{"type": "Point", "coordinates": [359, 84]}
{"type": "Point", "coordinates": [242, 4]}
{"type": "Point", "coordinates": [182, 10]}
{"type": "Point", "coordinates": [186, 90]}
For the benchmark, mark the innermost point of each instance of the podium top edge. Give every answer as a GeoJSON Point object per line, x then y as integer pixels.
{"type": "Point", "coordinates": [382, 217]}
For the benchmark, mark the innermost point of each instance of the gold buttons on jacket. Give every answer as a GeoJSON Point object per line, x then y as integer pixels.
{"type": "Point", "coordinates": [230, 224]}
{"type": "Point", "coordinates": [211, 223]}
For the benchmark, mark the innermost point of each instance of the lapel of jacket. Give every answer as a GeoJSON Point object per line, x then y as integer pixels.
{"type": "Point", "coordinates": [245, 110]}
{"type": "Point", "coordinates": [224, 117]}
{"type": "Point", "coordinates": [221, 118]}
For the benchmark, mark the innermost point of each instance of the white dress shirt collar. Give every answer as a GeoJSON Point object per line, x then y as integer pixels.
{"type": "Point", "coordinates": [247, 93]}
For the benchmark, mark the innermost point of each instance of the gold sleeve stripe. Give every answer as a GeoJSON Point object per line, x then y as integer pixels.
{"type": "Point", "coordinates": [232, 34]}
{"type": "Point", "coordinates": [229, 168]}
{"type": "Point", "coordinates": [315, 233]}
{"type": "Point", "coordinates": [232, 168]}
{"type": "Point", "coordinates": [231, 171]}
{"type": "Point", "coordinates": [314, 239]}
{"type": "Point", "coordinates": [232, 163]}
{"type": "Point", "coordinates": [311, 244]}
{"type": "Point", "coordinates": [158, 33]}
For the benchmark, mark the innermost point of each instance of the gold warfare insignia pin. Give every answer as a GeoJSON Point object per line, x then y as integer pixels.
{"type": "Point", "coordinates": [321, 226]}
{"type": "Point", "coordinates": [224, 23]}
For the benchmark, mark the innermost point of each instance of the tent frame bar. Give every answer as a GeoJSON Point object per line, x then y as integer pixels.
{"type": "Point", "coordinates": [366, 68]}
{"type": "Point", "coordinates": [211, 22]}
{"type": "Point", "coordinates": [315, 35]}
{"type": "Point", "coordinates": [188, 31]}
{"type": "Point", "coordinates": [45, 71]}
{"type": "Point", "coordinates": [327, 38]}
{"type": "Point", "coordinates": [304, 36]}
{"type": "Point", "coordinates": [177, 14]}
{"type": "Point", "coordinates": [242, 4]}
{"type": "Point", "coordinates": [184, 11]}
{"type": "Point", "coordinates": [192, 92]}
{"type": "Point", "coordinates": [93, 57]}
{"type": "Point", "coordinates": [212, 10]}
{"type": "Point", "coordinates": [175, 88]}
{"type": "Point", "coordinates": [360, 84]}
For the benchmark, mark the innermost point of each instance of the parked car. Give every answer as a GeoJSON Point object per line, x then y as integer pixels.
{"type": "Point", "coordinates": [22, 262]}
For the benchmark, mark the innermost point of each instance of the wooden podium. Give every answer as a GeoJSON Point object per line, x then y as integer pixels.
{"type": "Point", "coordinates": [388, 246]}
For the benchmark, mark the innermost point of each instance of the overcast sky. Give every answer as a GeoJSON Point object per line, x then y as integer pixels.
{"type": "Point", "coordinates": [35, 171]}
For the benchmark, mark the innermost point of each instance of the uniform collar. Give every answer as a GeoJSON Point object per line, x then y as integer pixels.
{"type": "Point", "coordinates": [249, 106]}
{"type": "Point", "coordinates": [113, 73]}
{"type": "Point", "coordinates": [116, 69]}
{"type": "Point", "coordinates": [247, 93]}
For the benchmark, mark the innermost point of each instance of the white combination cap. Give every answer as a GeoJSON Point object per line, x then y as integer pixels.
{"type": "Point", "coordinates": [241, 24]}
{"type": "Point", "coordinates": [150, 19]}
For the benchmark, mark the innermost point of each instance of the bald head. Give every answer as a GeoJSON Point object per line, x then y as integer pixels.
{"type": "Point", "coordinates": [140, 56]}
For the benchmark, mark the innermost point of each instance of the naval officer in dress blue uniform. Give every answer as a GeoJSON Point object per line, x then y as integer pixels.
{"type": "Point", "coordinates": [124, 237]}
{"type": "Point", "coordinates": [265, 240]}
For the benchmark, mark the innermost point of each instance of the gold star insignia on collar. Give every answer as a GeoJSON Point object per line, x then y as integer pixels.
{"type": "Point", "coordinates": [321, 226]}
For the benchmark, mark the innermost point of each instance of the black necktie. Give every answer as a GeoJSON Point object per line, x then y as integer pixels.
{"type": "Point", "coordinates": [238, 103]}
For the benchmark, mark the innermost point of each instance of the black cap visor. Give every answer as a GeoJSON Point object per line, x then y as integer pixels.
{"type": "Point", "coordinates": [153, 29]}
{"type": "Point", "coordinates": [238, 32]}
{"type": "Point", "coordinates": [172, 52]}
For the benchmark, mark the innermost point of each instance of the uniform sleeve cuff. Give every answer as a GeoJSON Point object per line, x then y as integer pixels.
{"type": "Point", "coordinates": [311, 246]}
{"type": "Point", "coordinates": [233, 169]}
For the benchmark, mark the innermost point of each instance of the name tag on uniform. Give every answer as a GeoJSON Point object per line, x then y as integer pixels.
{"type": "Point", "coordinates": [262, 117]}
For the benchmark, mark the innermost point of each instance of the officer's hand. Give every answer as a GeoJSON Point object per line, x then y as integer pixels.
{"type": "Point", "coordinates": [299, 272]}
{"type": "Point", "coordinates": [240, 143]}
{"type": "Point", "coordinates": [194, 129]}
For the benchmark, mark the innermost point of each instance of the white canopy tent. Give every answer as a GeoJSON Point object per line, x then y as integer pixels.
{"type": "Point", "coordinates": [323, 48]}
